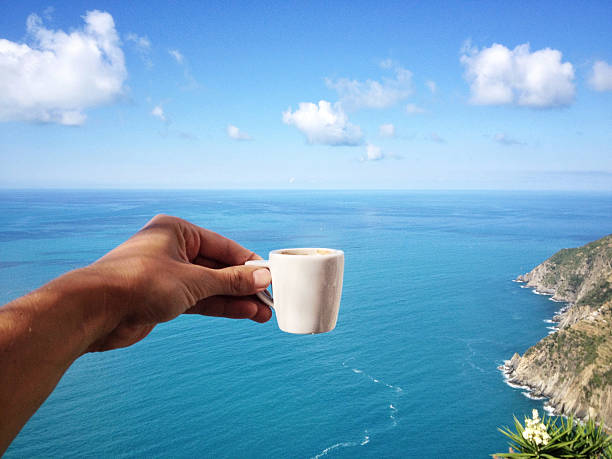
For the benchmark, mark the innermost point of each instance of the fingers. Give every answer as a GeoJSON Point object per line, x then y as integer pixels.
{"type": "Point", "coordinates": [237, 280]}
{"type": "Point", "coordinates": [233, 308]}
{"type": "Point", "coordinates": [215, 247]}
{"type": "Point", "coordinates": [208, 263]}
{"type": "Point", "coordinates": [203, 243]}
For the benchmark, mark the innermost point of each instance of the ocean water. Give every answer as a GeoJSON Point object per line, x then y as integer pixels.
{"type": "Point", "coordinates": [428, 312]}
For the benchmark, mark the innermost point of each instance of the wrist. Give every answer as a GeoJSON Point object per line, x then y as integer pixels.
{"type": "Point", "coordinates": [97, 301]}
{"type": "Point", "coordinates": [78, 308]}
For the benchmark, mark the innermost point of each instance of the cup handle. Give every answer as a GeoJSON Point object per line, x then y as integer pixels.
{"type": "Point", "coordinates": [264, 295]}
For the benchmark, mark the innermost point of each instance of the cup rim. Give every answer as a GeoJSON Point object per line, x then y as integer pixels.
{"type": "Point", "coordinates": [321, 252]}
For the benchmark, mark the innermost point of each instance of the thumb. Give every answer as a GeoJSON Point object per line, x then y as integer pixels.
{"type": "Point", "coordinates": [239, 280]}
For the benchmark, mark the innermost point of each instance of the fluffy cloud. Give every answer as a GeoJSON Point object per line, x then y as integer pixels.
{"type": "Point", "coordinates": [499, 76]}
{"type": "Point", "coordinates": [61, 74]}
{"type": "Point", "coordinates": [432, 86]}
{"type": "Point", "coordinates": [386, 130]}
{"type": "Point", "coordinates": [237, 134]}
{"type": "Point", "coordinates": [373, 153]}
{"type": "Point", "coordinates": [601, 78]}
{"type": "Point", "coordinates": [373, 94]}
{"type": "Point", "coordinates": [324, 123]}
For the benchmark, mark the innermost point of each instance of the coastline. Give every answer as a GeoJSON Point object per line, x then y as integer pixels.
{"type": "Point", "coordinates": [553, 404]}
{"type": "Point", "coordinates": [509, 366]}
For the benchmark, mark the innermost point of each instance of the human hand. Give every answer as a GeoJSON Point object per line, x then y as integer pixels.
{"type": "Point", "coordinates": [171, 267]}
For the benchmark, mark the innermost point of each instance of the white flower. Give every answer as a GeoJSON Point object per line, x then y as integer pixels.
{"type": "Point", "coordinates": [535, 430]}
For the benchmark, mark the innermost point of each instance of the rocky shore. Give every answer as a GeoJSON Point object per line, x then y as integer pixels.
{"type": "Point", "coordinates": [572, 366]}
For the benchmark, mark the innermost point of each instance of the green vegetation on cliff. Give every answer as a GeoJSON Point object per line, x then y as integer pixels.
{"type": "Point", "coordinates": [573, 367]}
{"type": "Point", "coordinates": [579, 275]}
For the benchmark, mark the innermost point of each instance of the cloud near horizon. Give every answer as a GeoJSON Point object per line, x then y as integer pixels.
{"type": "Point", "coordinates": [356, 94]}
{"type": "Point", "coordinates": [61, 74]}
{"type": "Point", "coordinates": [236, 134]}
{"type": "Point", "coordinates": [324, 124]}
{"type": "Point", "coordinates": [435, 137]}
{"type": "Point", "coordinates": [373, 153]}
{"type": "Point", "coordinates": [501, 76]}
{"type": "Point", "coordinates": [413, 109]}
{"type": "Point", "coordinates": [504, 139]}
{"type": "Point", "coordinates": [386, 130]}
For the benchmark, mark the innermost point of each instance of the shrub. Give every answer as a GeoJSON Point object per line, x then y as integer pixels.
{"type": "Point", "coordinates": [556, 438]}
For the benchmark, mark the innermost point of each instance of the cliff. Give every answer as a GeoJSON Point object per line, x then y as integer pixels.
{"type": "Point", "coordinates": [573, 366]}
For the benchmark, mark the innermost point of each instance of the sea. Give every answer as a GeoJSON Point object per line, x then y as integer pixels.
{"type": "Point", "coordinates": [429, 311]}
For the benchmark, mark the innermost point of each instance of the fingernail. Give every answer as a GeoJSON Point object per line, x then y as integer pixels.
{"type": "Point", "coordinates": [261, 278]}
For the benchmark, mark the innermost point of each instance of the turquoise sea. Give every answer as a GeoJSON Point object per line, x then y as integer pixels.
{"type": "Point", "coordinates": [428, 312]}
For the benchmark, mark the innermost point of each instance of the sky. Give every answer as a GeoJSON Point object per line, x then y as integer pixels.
{"type": "Point", "coordinates": [306, 95]}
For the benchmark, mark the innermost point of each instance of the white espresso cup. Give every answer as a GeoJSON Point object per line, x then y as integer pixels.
{"type": "Point", "coordinates": [306, 286]}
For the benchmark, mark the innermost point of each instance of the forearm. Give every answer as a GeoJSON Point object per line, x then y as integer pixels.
{"type": "Point", "coordinates": [41, 335]}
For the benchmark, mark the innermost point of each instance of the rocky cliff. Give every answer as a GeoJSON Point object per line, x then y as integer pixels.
{"type": "Point", "coordinates": [573, 366]}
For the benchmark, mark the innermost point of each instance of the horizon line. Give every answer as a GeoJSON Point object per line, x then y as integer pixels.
{"type": "Point", "coordinates": [518, 190]}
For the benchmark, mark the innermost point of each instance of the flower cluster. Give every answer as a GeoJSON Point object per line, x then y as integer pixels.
{"type": "Point", "coordinates": [535, 431]}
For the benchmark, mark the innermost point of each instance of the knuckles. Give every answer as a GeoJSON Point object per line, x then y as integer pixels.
{"type": "Point", "coordinates": [238, 282]}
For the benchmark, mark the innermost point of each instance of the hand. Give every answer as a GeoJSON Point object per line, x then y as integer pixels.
{"type": "Point", "coordinates": [168, 268]}
{"type": "Point", "coordinates": [172, 267]}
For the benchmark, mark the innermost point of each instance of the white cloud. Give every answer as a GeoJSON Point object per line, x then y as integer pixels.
{"type": "Point", "coordinates": [61, 74]}
{"type": "Point", "coordinates": [601, 78]}
{"type": "Point", "coordinates": [237, 134]}
{"type": "Point", "coordinates": [386, 130]}
{"type": "Point", "coordinates": [373, 153]}
{"type": "Point", "coordinates": [413, 109]}
{"type": "Point", "coordinates": [500, 76]}
{"type": "Point", "coordinates": [191, 82]}
{"type": "Point", "coordinates": [142, 46]}
{"type": "Point", "coordinates": [373, 94]}
{"type": "Point", "coordinates": [324, 123]}
{"type": "Point", "coordinates": [138, 41]}
{"type": "Point", "coordinates": [503, 139]}
{"type": "Point", "coordinates": [48, 13]}
{"type": "Point", "coordinates": [387, 63]}
{"type": "Point", "coordinates": [158, 112]}
{"type": "Point", "coordinates": [432, 86]}
{"type": "Point", "coordinates": [176, 54]}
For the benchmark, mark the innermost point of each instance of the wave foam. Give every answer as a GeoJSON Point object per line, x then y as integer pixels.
{"type": "Point", "coordinates": [533, 397]}
{"type": "Point", "coordinates": [345, 444]}
{"type": "Point", "coordinates": [392, 413]}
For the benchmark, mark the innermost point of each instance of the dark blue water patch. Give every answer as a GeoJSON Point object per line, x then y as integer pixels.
{"type": "Point", "coordinates": [12, 264]}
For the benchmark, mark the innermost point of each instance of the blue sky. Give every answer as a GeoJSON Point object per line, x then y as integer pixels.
{"type": "Point", "coordinates": [411, 95]}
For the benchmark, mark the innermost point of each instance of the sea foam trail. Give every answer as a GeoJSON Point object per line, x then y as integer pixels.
{"type": "Point", "coordinates": [371, 378]}
{"type": "Point", "coordinates": [346, 444]}
{"type": "Point", "coordinates": [393, 411]}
